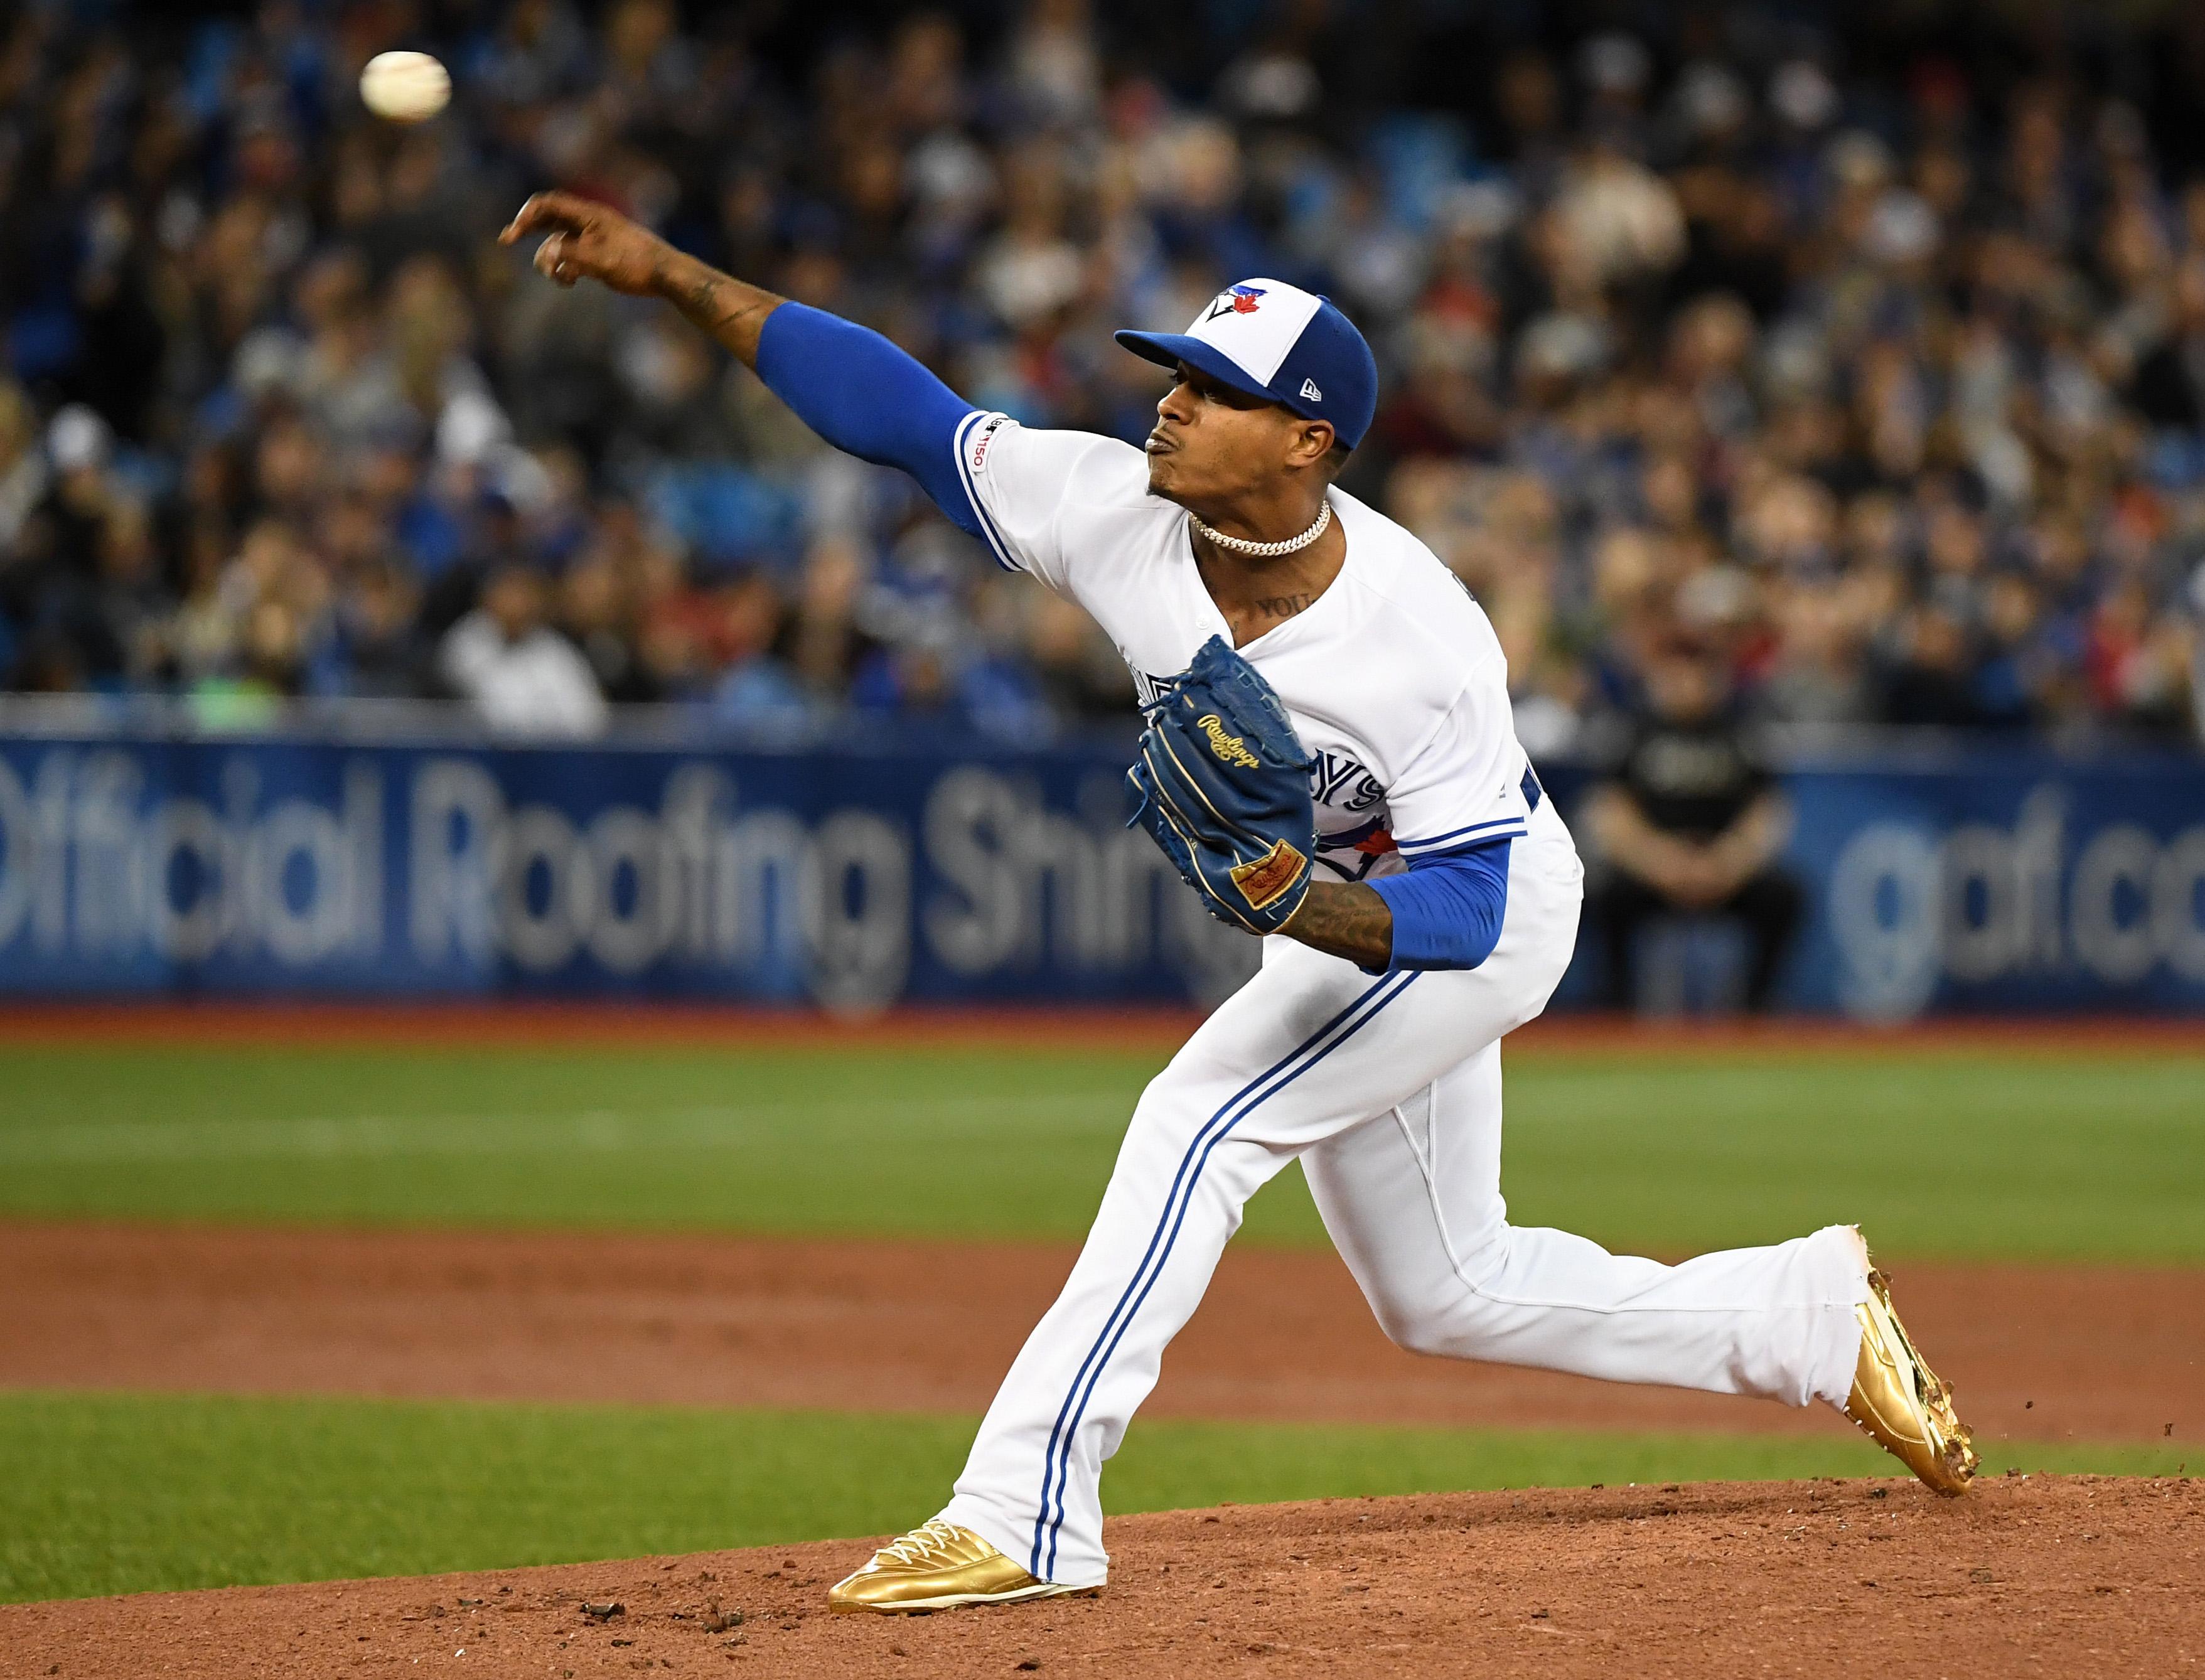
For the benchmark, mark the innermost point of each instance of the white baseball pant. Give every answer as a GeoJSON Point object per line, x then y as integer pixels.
{"type": "Point", "coordinates": [1388, 1087]}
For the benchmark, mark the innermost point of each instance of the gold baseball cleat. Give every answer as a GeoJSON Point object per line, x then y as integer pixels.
{"type": "Point", "coordinates": [938, 1566]}
{"type": "Point", "coordinates": [1899, 1403]}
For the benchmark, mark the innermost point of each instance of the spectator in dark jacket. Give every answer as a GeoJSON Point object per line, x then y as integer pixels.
{"type": "Point", "coordinates": [1692, 823]}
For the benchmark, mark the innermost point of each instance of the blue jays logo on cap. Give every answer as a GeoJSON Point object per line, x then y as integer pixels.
{"type": "Point", "coordinates": [1280, 343]}
{"type": "Point", "coordinates": [1240, 300]}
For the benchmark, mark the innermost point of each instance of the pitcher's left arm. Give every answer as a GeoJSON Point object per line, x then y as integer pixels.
{"type": "Point", "coordinates": [1445, 912]}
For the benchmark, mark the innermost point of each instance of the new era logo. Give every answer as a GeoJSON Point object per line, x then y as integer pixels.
{"type": "Point", "coordinates": [1309, 392]}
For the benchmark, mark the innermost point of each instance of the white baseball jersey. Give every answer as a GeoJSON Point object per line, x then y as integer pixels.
{"type": "Point", "coordinates": [1394, 677]}
{"type": "Point", "coordinates": [1387, 1088]}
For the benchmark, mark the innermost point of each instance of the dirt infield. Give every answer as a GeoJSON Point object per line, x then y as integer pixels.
{"type": "Point", "coordinates": [2036, 1353]}
{"type": "Point", "coordinates": [2030, 1574]}
{"type": "Point", "coordinates": [2051, 1575]}
{"type": "Point", "coordinates": [467, 1024]}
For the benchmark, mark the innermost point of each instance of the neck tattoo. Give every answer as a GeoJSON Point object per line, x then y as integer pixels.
{"type": "Point", "coordinates": [1241, 545]}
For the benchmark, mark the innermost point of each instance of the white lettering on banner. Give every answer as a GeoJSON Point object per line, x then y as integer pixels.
{"type": "Point", "coordinates": [91, 868]}
{"type": "Point", "coordinates": [537, 837]}
{"type": "Point", "coordinates": [2001, 892]}
{"type": "Point", "coordinates": [1884, 904]}
{"type": "Point", "coordinates": [1025, 886]}
{"type": "Point", "coordinates": [761, 876]}
{"type": "Point", "coordinates": [2121, 857]}
{"type": "Point", "coordinates": [457, 810]}
{"type": "Point", "coordinates": [2178, 884]}
{"type": "Point", "coordinates": [107, 859]}
{"type": "Point", "coordinates": [970, 827]}
{"type": "Point", "coordinates": [111, 885]}
{"type": "Point", "coordinates": [17, 842]}
{"type": "Point", "coordinates": [683, 904]}
{"type": "Point", "coordinates": [101, 863]}
{"type": "Point", "coordinates": [860, 912]}
{"type": "Point", "coordinates": [233, 837]}
{"type": "Point", "coordinates": [691, 881]}
{"type": "Point", "coordinates": [1909, 909]}
{"type": "Point", "coordinates": [1029, 885]}
{"type": "Point", "coordinates": [185, 919]}
{"type": "Point", "coordinates": [321, 924]}
{"type": "Point", "coordinates": [625, 852]}
{"type": "Point", "coordinates": [49, 851]}
{"type": "Point", "coordinates": [363, 827]}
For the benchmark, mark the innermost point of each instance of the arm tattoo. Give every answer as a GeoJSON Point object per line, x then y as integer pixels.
{"type": "Point", "coordinates": [723, 308]}
{"type": "Point", "coordinates": [1344, 919]}
{"type": "Point", "coordinates": [1284, 605]}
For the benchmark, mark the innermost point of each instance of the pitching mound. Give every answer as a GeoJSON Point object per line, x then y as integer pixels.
{"type": "Point", "coordinates": [2074, 1573]}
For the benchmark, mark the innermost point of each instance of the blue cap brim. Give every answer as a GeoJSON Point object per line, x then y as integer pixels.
{"type": "Point", "coordinates": [1170, 349]}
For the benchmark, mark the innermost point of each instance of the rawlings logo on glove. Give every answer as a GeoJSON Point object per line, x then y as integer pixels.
{"type": "Point", "coordinates": [1222, 785]}
{"type": "Point", "coordinates": [1231, 748]}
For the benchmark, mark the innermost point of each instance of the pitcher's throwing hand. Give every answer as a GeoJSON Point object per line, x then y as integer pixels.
{"type": "Point", "coordinates": [587, 240]}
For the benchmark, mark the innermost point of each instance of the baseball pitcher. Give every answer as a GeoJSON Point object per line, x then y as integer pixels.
{"type": "Point", "coordinates": [1330, 763]}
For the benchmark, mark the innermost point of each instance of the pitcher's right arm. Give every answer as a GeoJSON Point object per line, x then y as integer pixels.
{"type": "Point", "coordinates": [856, 390]}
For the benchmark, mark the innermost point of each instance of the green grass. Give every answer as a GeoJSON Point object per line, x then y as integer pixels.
{"type": "Point", "coordinates": [122, 1493]}
{"type": "Point", "coordinates": [1958, 1153]}
{"type": "Point", "coordinates": [1937, 1154]}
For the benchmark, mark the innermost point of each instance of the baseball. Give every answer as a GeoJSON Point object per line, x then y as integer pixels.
{"type": "Point", "coordinates": [405, 86]}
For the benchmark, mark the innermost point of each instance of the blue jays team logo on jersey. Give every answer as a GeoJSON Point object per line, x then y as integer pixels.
{"type": "Point", "coordinates": [1240, 300]}
{"type": "Point", "coordinates": [1338, 781]}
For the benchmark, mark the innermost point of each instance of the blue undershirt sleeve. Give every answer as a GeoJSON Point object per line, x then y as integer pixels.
{"type": "Point", "coordinates": [868, 398]}
{"type": "Point", "coordinates": [1447, 909]}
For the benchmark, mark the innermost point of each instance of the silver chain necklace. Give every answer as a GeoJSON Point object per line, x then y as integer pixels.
{"type": "Point", "coordinates": [1241, 545]}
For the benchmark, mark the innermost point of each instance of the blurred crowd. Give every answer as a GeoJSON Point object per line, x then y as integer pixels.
{"type": "Point", "coordinates": [1871, 372]}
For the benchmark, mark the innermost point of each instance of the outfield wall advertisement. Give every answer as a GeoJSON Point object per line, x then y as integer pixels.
{"type": "Point", "coordinates": [210, 867]}
{"type": "Point", "coordinates": [853, 880]}
{"type": "Point", "coordinates": [2001, 881]}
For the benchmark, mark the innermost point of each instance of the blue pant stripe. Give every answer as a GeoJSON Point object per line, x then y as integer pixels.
{"type": "Point", "coordinates": [1048, 1469]}
{"type": "Point", "coordinates": [1057, 1467]}
{"type": "Point", "coordinates": [1215, 1137]}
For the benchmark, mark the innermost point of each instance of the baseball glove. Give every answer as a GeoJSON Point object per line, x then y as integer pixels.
{"type": "Point", "coordinates": [1223, 784]}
